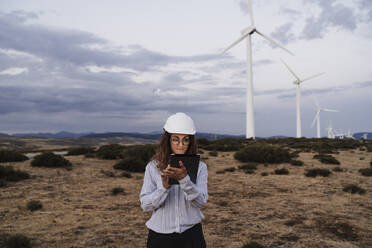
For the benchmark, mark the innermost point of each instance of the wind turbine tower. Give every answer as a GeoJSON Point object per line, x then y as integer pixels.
{"type": "Point", "coordinates": [246, 34]}
{"type": "Point", "coordinates": [317, 116]}
{"type": "Point", "coordinates": [298, 82]}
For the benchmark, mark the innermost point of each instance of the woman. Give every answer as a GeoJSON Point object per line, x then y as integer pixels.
{"type": "Point", "coordinates": [176, 215]}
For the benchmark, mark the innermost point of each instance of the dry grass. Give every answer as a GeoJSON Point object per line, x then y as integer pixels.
{"type": "Point", "coordinates": [292, 210]}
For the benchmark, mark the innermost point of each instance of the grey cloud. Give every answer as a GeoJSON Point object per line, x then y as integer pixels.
{"type": "Point", "coordinates": [283, 33]}
{"type": "Point", "coordinates": [332, 15]}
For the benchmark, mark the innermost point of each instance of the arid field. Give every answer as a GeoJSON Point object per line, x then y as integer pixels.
{"type": "Point", "coordinates": [79, 209]}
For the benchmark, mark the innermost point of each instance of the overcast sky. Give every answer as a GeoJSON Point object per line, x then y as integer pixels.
{"type": "Point", "coordinates": [122, 65]}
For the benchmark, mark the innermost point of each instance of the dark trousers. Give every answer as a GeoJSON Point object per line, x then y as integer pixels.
{"type": "Point", "coordinates": [191, 238]}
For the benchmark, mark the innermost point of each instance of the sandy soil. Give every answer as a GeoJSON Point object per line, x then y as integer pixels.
{"type": "Point", "coordinates": [275, 210]}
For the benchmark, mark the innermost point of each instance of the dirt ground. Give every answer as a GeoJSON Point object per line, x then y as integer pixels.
{"type": "Point", "coordinates": [292, 210]}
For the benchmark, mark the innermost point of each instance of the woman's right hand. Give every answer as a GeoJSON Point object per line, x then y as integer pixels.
{"type": "Point", "coordinates": [165, 180]}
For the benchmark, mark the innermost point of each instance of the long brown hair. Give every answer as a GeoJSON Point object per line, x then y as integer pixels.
{"type": "Point", "coordinates": [164, 150]}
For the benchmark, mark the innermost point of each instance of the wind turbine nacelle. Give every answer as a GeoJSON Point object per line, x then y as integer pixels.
{"type": "Point", "coordinates": [297, 82]}
{"type": "Point", "coordinates": [248, 30]}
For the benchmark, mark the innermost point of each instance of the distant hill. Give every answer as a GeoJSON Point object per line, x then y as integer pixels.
{"type": "Point", "coordinates": [360, 135]}
{"type": "Point", "coordinates": [4, 135]}
{"type": "Point", "coordinates": [61, 134]}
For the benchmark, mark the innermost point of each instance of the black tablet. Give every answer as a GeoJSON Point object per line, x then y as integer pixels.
{"type": "Point", "coordinates": [191, 162]}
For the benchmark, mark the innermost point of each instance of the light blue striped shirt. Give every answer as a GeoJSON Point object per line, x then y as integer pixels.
{"type": "Point", "coordinates": [175, 209]}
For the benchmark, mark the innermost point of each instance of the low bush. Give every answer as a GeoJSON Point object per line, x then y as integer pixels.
{"type": "Point", "coordinates": [11, 156]}
{"type": "Point", "coordinates": [226, 144]}
{"type": "Point", "coordinates": [282, 171]}
{"type": "Point", "coordinates": [17, 241]}
{"type": "Point", "coordinates": [230, 169]}
{"type": "Point", "coordinates": [34, 205]}
{"type": "Point", "coordinates": [264, 174]}
{"type": "Point", "coordinates": [213, 153]}
{"type": "Point", "coordinates": [253, 244]}
{"type": "Point", "coordinates": [131, 164]}
{"type": "Point", "coordinates": [353, 189]}
{"type": "Point", "coordinates": [326, 159]}
{"type": "Point", "coordinates": [366, 172]}
{"type": "Point", "coordinates": [317, 172]}
{"type": "Point", "coordinates": [202, 142]}
{"type": "Point", "coordinates": [248, 166]}
{"type": "Point", "coordinates": [80, 151]}
{"type": "Point", "coordinates": [262, 153]}
{"type": "Point", "coordinates": [108, 173]}
{"type": "Point", "coordinates": [112, 151]}
{"type": "Point", "coordinates": [370, 163]}
{"type": "Point", "coordinates": [369, 147]}
{"type": "Point", "coordinates": [337, 169]}
{"type": "Point", "coordinates": [51, 160]}
{"type": "Point", "coordinates": [296, 162]}
{"type": "Point", "coordinates": [141, 152]}
{"type": "Point", "coordinates": [117, 190]}
{"type": "Point", "coordinates": [126, 174]}
{"type": "Point", "coordinates": [7, 173]}
{"type": "Point", "coordinates": [249, 171]}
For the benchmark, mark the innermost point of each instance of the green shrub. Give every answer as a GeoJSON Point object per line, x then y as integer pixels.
{"type": "Point", "coordinates": [337, 169]}
{"type": "Point", "coordinates": [249, 171]}
{"type": "Point", "coordinates": [253, 244]}
{"type": "Point", "coordinates": [3, 183]}
{"type": "Point", "coordinates": [248, 166]}
{"type": "Point", "coordinates": [264, 174]}
{"type": "Point", "coordinates": [112, 151]}
{"type": "Point", "coordinates": [108, 173]}
{"type": "Point", "coordinates": [17, 241]}
{"type": "Point", "coordinates": [282, 171]}
{"type": "Point", "coordinates": [296, 162]}
{"type": "Point", "coordinates": [326, 159]}
{"type": "Point", "coordinates": [202, 142]}
{"type": "Point", "coordinates": [90, 155]}
{"type": "Point", "coordinates": [213, 153]}
{"type": "Point", "coordinates": [49, 159]}
{"type": "Point", "coordinates": [263, 154]}
{"type": "Point", "coordinates": [126, 174]}
{"type": "Point", "coordinates": [9, 174]}
{"type": "Point", "coordinates": [34, 205]}
{"type": "Point", "coordinates": [230, 169]}
{"type": "Point", "coordinates": [353, 189]}
{"type": "Point", "coordinates": [11, 156]}
{"type": "Point", "coordinates": [366, 172]}
{"type": "Point", "coordinates": [117, 190]}
{"type": "Point", "coordinates": [141, 152]}
{"type": "Point", "coordinates": [226, 144]}
{"type": "Point", "coordinates": [362, 158]}
{"type": "Point", "coordinates": [80, 151]}
{"type": "Point", "coordinates": [317, 172]}
{"type": "Point", "coordinates": [369, 147]}
{"type": "Point", "coordinates": [370, 163]}
{"type": "Point", "coordinates": [131, 164]}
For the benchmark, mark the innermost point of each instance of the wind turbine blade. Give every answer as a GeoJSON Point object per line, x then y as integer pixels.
{"type": "Point", "coordinates": [235, 42]}
{"type": "Point", "coordinates": [317, 75]}
{"type": "Point", "coordinates": [316, 102]}
{"type": "Point", "coordinates": [274, 42]}
{"type": "Point", "coordinates": [316, 116]}
{"type": "Point", "coordinates": [289, 69]}
{"type": "Point", "coordinates": [250, 11]}
{"type": "Point", "coordinates": [330, 110]}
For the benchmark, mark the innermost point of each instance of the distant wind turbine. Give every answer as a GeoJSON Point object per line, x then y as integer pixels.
{"type": "Point", "coordinates": [246, 34]}
{"type": "Point", "coordinates": [331, 134]}
{"type": "Point", "coordinates": [317, 116]}
{"type": "Point", "coordinates": [298, 82]}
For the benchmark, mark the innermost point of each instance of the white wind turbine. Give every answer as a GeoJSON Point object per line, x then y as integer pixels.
{"type": "Point", "coordinates": [331, 134]}
{"type": "Point", "coordinates": [246, 34]}
{"type": "Point", "coordinates": [298, 82]}
{"type": "Point", "coordinates": [317, 116]}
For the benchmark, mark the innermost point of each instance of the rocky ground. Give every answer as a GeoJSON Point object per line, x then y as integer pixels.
{"type": "Point", "coordinates": [292, 210]}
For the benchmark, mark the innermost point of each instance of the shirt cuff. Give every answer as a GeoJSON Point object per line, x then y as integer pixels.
{"type": "Point", "coordinates": [184, 180]}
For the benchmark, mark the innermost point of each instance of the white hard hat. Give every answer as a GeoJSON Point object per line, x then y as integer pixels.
{"type": "Point", "coordinates": [180, 123]}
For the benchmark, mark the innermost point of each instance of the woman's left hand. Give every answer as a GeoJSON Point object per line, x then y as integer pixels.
{"type": "Point", "coordinates": [176, 173]}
